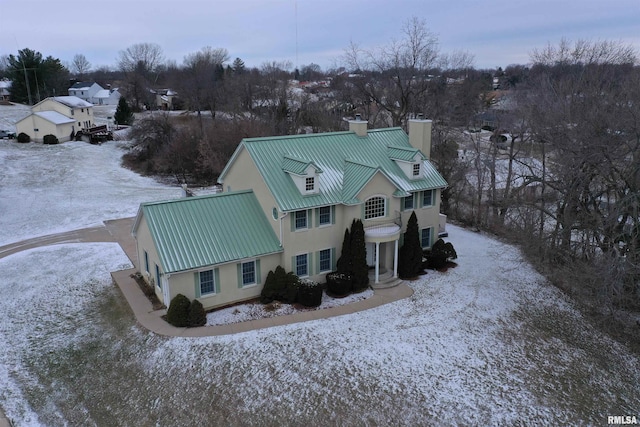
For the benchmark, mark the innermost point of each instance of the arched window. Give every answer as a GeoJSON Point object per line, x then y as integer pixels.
{"type": "Point", "coordinates": [374, 207]}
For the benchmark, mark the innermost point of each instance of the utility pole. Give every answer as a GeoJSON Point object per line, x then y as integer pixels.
{"type": "Point", "coordinates": [26, 81]}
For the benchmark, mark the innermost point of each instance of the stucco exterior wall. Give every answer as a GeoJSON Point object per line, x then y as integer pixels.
{"type": "Point", "coordinates": [244, 175]}
{"type": "Point", "coordinates": [82, 116]}
{"type": "Point", "coordinates": [229, 291]}
{"type": "Point", "coordinates": [44, 127]}
{"type": "Point", "coordinates": [427, 216]}
{"type": "Point", "coordinates": [144, 242]}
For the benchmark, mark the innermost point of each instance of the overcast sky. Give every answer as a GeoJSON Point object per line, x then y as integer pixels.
{"type": "Point", "coordinates": [495, 32]}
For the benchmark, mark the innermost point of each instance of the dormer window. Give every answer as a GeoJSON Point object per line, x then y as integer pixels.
{"type": "Point", "coordinates": [305, 174]}
{"type": "Point", "coordinates": [416, 170]}
{"type": "Point", "coordinates": [310, 184]}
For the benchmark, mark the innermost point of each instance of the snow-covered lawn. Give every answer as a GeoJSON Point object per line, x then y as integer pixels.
{"type": "Point", "coordinates": [487, 343]}
{"type": "Point", "coordinates": [46, 189]}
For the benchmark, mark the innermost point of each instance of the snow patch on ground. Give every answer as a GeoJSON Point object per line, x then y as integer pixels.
{"type": "Point", "coordinates": [252, 311]}
{"type": "Point", "coordinates": [46, 310]}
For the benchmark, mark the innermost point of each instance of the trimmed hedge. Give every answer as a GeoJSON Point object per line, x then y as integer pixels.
{"type": "Point", "coordinates": [50, 139]}
{"type": "Point", "coordinates": [197, 315]}
{"type": "Point", "coordinates": [281, 286]}
{"type": "Point", "coordinates": [440, 254]}
{"type": "Point", "coordinates": [339, 284]}
{"type": "Point", "coordinates": [309, 293]}
{"type": "Point", "coordinates": [178, 312]}
{"type": "Point", "coordinates": [23, 137]}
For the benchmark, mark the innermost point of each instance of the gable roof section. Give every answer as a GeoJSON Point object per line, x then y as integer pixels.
{"type": "Point", "coordinates": [195, 232]}
{"type": "Point", "coordinates": [404, 154]}
{"type": "Point", "coordinates": [335, 153]}
{"type": "Point", "coordinates": [297, 166]}
{"type": "Point", "coordinates": [83, 85]}
{"type": "Point", "coordinates": [72, 101]}
{"type": "Point", "coordinates": [54, 117]}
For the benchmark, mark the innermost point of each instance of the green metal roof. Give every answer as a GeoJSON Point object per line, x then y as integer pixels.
{"type": "Point", "coordinates": [195, 232]}
{"type": "Point", "coordinates": [335, 153]}
{"type": "Point", "coordinates": [297, 166]}
{"type": "Point", "coordinates": [404, 153]}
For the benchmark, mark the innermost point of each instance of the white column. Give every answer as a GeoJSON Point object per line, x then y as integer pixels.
{"type": "Point", "coordinates": [377, 261]}
{"type": "Point", "coordinates": [395, 259]}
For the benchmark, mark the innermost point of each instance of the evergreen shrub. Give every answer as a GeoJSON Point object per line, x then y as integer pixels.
{"type": "Point", "coordinates": [178, 312]}
{"type": "Point", "coordinates": [50, 139]}
{"type": "Point", "coordinates": [280, 285]}
{"type": "Point", "coordinates": [440, 254]}
{"type": "Point", "coordinates": [23, 137]}
{"type": "Point", "coordinates": [309, 293]}
{"type": "Point", "coordinates": [197, 315]}
{"type": "Point", "coordinates": [410, 254]}
{"type": "Point", "coordinates": [339, 284]}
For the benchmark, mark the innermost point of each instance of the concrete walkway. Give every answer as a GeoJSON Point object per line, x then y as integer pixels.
{"type": "Point", "coordinates": [153, 321]}
{"type": "Point", "coordinates": [119, 231]}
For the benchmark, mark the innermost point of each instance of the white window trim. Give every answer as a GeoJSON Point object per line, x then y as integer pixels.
{"type": "Point", "coordinates": [296, 266]}
{"type": "Point", "coordinates": [413, 202]}
{"type": "Point", "coordinates": [295, 220]}
{"type": "Point", "coordinates": [430, 237]}
{"type": "Point", "coordinates": [321, 271]}
{"type": "Point", "coordinates": [255, 274]}
{"type": "Point", "coordinates": [384, 214]}
{"type": "Point", "coordinates": [313, 184]}
{"type": "Point", "coordinates": [327, 224]}
{"type": "Point", "coordinates": [213, 274]}
{"type": "Point", "coordinates": [432, 197]}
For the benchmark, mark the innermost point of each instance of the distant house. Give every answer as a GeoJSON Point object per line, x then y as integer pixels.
{"type": "Point", "coordinates": [85, 90]}
{"type": "Point", "coordinates": [61, 116]}
{"type": "Point", "coordinates": [164, 98]}
{"type": "Point", "coordinates": [5, 89]}
{"type": "Point", "coordinates": [94, 93]}
{"type": "Point", "coordinates": [287, 202]}
{"type": "Point", "coordinates": [106, 97]}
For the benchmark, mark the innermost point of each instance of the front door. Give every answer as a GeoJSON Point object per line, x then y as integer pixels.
{"type": "Point", "coordinates": [371, 254]}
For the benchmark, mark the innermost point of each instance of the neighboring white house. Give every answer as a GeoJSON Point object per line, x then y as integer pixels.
{"type": "Point", "coordinates": [61, 116]}
{"type": "Point", "coordinates": [5, 89]}
{"type": "Point", "coordinates": [106, 97]}
{"type": "Point", "coordinates": [164, 98]}
{"type": "Point", "coordinates": [287, 201]}
{"type": "Point", "coordinates": [85, 90]}
{"type": "Point", "coordinates": [94, 93]}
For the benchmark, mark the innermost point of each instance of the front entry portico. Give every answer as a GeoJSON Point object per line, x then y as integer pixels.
{"type": "Point", "coordinates": [382, 248]}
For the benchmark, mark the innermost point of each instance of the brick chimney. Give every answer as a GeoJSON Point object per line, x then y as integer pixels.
{"type": "Point", "coordinates": [358, 126]}
{"type": "Point", "coordinates": [420, 134]}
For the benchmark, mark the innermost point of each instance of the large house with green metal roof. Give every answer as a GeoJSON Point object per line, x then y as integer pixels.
{"type": "Point", "coordinates": [287, 201]}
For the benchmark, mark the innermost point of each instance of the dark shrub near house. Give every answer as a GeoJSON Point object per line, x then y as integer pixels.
{"type": "Point", "coordinates": [197, 315]}
{"type": "Point", "coordinates": [339, 284]}
{"type": "Point", "coordinates": [309, 293]}
{"type": "Point", "coordinates": [50, 139]}
{"type": "Point", "coordinates": [280, 285]}
{"type": "Point", "coordinates": [410, 254]}
{"type": "Point", "coordinates": [178, 312]}
{"type": "Point", "coordinates": [23, 137]}
{"type": "Point", "coordinates": [360, 269]}
{"type": "Point", "coordinates": [439, 255]}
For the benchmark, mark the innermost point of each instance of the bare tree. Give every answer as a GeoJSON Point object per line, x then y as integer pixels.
{"type": "Point", "coordinates": [398, 73]}
{"type": "Point", "coordinates": [139, 62]}
{"type": "Point", "coordinates": [581, 115]}
{"type": "Point", "coordinates": [203, 76]}
{"type": "Point", "coordinates": [80, 66]}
